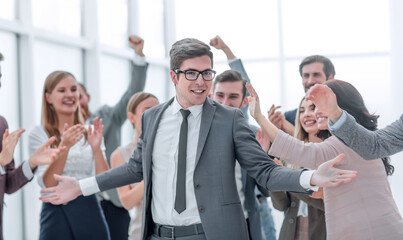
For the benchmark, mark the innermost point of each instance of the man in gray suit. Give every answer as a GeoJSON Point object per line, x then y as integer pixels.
{"type": "Point", "coordinates": [217, 135]}
{"type": "Point", "coordinates": [368, 144]}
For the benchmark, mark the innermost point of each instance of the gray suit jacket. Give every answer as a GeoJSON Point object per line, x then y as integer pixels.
{"type": "Point", "coordinates": [224, 137]}
{"type": "Point", "coordinates": [371, 144]}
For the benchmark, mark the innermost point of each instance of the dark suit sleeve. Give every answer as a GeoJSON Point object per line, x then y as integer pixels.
{"type": "Point", "coordinates": [15, 178]}
{"type": "Point", "coordinates": [258, 164]}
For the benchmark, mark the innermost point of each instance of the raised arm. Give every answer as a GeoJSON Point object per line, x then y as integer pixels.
{"type": "Point", "coordinates": [137, 82]}
{"type": "Point", "coordinates": [269, 129]}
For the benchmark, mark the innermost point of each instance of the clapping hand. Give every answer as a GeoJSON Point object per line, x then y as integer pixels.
{"type": "Point", "coordinates": [72, 135]}
{"type": "Point", "coordinates": [95, 135]}
{"type": "Point", "coordinates": [9, 142]}
{"type": "Point", "coordinates": [45, 155]}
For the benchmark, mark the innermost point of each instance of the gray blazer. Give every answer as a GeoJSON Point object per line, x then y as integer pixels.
{"type": "Point", "coordinates": [371, 144]}
{"type": "Point", "coordinates": [224, 137]}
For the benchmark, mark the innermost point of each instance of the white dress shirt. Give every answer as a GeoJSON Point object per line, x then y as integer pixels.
{"type": "Point", "coordinates": [164, 167]}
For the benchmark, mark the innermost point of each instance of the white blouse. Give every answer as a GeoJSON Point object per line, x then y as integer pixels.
{"type": "Point", "coordinates": [80, 162]}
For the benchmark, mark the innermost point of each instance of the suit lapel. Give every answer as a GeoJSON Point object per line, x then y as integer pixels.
{"type": "Point", "coordinates": [207, 118]}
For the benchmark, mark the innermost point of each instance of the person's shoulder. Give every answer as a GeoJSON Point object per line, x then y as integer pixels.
{"type": "Point", "coordinates": [37, 130]}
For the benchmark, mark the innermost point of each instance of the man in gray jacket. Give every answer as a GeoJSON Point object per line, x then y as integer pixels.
{"type": "Point", "coordinates": [186, 155]}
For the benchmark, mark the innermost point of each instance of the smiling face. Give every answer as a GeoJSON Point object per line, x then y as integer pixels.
{"type": "Point", "coordinates": [230, 94]}
{"type": "Point", "coordinates": [189, 93]}
{"type": "Point", "coordinates": [64, 97]}
{"type": "Point", "coordinates": [307, 117]}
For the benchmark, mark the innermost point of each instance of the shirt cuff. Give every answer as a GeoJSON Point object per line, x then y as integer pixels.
{"type": "Point", "coordinates": [335, 126]}
{"type": "Point", "coordinates": [26, 169]}
{"type": "Point", "coordinates": [139, 60]}
{"type": "Point", "coordinates": [232, 60]}
{"type": "Point", "coordinates": [88, 186]}
{"type": "Point", "coordinates": [2, 171]}
{"type": "Point", "coordinates": [305, 180]}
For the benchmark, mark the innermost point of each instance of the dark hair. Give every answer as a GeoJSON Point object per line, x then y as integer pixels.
{"type": "Point", "coordinates": [328, 67]}
{"type": "Point", "coordinates": [231, 76]}
{"type": "Point", "coordinates": [350, 100]}
{"type": "Point", "coordinates": [1, 57]}
{"type": "Point", "coordinates": [188, 48]}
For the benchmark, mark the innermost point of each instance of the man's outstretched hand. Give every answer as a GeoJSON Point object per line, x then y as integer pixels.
{"type": "Point", "coordinates": [67, 190]}
{"type": "Point", "coordinates": [329, 176]}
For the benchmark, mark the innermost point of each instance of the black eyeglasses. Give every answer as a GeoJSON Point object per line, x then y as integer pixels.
{"type": "Point", "coordinates": [192, 75]}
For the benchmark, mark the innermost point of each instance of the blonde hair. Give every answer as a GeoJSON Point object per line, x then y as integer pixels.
{"type": "Point", "coordinates": [135, 100]}
{"type": "Point", "coordinates": [299, 131]}
{"type": "Point", "coordinates": [49, 119]}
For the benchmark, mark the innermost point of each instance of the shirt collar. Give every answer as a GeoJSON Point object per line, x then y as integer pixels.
{"type": "Point", "coordinates": [195, 110]}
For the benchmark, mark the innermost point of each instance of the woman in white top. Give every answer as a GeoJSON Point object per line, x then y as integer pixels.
{"type": "Point", "coordinates": [131, 196]}
{"type": "Point", "coordinates": [81, 218]}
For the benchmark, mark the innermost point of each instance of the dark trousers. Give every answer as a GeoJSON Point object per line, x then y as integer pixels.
{"type": "Point", "coordinates": [118, 220]}
{"type": "Point", "coordinates": [80, 219]}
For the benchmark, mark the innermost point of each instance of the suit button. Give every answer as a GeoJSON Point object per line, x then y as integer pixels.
{"type": "Point", "coordinates": [291, 220]}
{"type": "Point", "coordinates": [197, 186]}
{"type": "Point", "coordinates": [201, 209]}
{"type": "Point", "coordinates": [293, 204]}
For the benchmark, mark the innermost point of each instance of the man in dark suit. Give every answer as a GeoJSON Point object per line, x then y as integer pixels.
{"type": "Point", "coordinates": [11, 178]}
{"type": "Point", "coordinates": [197, 199]}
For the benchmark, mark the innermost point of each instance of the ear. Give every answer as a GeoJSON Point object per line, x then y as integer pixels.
{"type": "Point", "coordinates": [88, 96]}
{"type": "Point", "coordinates": [48, 99]}
{"type": "Point", "coordinates": [331, 77]}
{"type": "Point", "coordinates": [174, 77]}
{"type": "Point", "coordinates": [244, 101]}
{"type": "Point", "coordinates": [131, 117]}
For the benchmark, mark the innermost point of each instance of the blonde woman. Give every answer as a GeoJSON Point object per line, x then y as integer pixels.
{"type": "Point", "coordinates": [131, 196]}
{"type": "Point", "coordinates": [81, 218]}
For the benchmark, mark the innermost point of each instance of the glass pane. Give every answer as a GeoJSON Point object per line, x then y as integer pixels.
{"type": "Point", "coordinates": [49, 57]}
{"type": "Point", "coordinates": [113, 22]}
{"type": "Point", "coordinates": [371, 77]}
{"type": "Point", "coordinates": [115, 77]}
{"type": "Point", "coordinates": [325, 27]}
{"type": "Point", "coordinates": [9, 110]}
{"type": "Point", "coordinates": [250, 28]}
{"type": "Point", "coordinates": [58, 16]}
{"type": "Point", "coordinates": [7, 9]}
{"type": "Point", "coordinates": [151, 27]}
{"type": "Point", "coordinates": [159, 83]}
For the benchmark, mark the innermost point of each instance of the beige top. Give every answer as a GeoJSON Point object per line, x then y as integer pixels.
{"type": "Point", "coordinates": [362, 209]}
{"type": "Point", "coordinates": [137, 211]}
